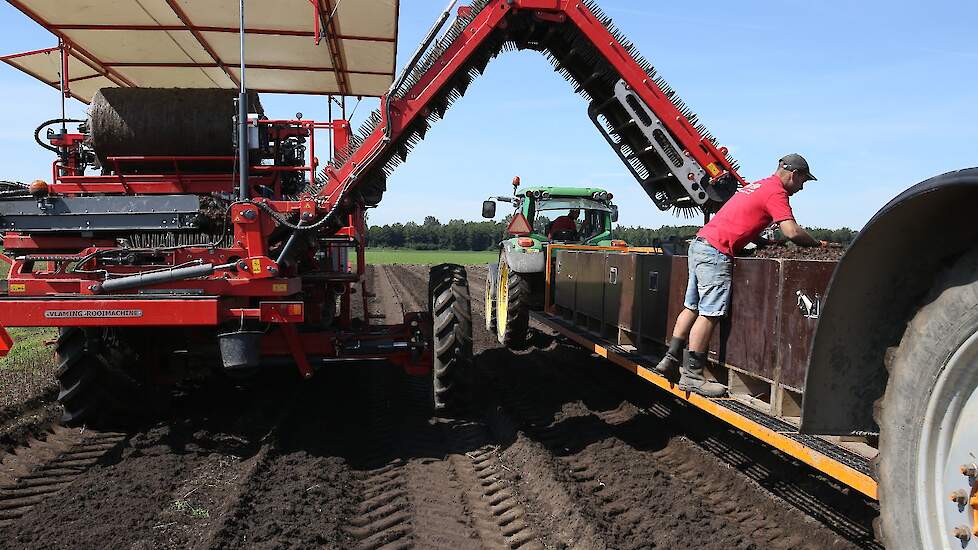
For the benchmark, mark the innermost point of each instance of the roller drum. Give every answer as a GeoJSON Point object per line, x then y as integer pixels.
{"type": "Point", "coordinates": [165, 122]}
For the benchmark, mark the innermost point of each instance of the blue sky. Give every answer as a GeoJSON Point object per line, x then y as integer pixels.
{"type": "Point", "coordinates": [878, 95]}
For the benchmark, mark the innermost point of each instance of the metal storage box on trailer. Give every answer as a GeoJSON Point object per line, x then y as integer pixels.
{"type": "Point", "coordinates": [758, 351]}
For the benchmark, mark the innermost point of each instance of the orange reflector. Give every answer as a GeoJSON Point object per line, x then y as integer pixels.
{"type": "Point", "coordinates": [619, 243]}
{"type": "Point", "coordinates": [295, 309]}
{"type": "Point", "coordinates": [519, 225]}
{"type": "Point", "coordinates": [525, 242]}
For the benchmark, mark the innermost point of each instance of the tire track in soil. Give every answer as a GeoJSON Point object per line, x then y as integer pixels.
{"type": "Point", "coordinates": [42, 468]}
{"type": "Point", "coordinates": [435, 483]}
{"type": "Point", "coordinates": [219, 474]}
{"type": "Point", "coordinates": [531, 482]}
{"type": "Point", "coordinates": [27, 422]}
{"type": "Point", "coordinates": [642, 479]}
{"type": "Point", "coordinates": [163, 486]}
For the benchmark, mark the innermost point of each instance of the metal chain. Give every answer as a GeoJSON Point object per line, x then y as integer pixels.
{"type": "Point", "coordinates": [281, 220]}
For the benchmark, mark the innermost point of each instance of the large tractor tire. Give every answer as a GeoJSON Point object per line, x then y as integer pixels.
{"type": "Point", "coordinates": [451, 312]}
{"type": "Point", "coordinates": [492, 277]}
{"type": "Point", "coordinates": [100, 379]}
{"type": "Point", "coordinates": [512, 307]}
{"type": "Point", "coordinates": [928, 420]}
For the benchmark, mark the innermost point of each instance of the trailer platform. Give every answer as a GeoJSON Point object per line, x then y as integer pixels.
{"type": "Point", "coordinates": [835, 461]}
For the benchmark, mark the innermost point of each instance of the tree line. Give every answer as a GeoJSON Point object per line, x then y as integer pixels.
{"type": "Point", "coordinates": [466, 235]}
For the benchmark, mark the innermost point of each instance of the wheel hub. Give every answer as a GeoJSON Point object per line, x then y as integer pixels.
{"type": "Point", "coordinates": [946, 467]}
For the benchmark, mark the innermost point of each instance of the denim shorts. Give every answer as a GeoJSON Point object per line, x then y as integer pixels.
{"type": "Point", "coordinates": [708, 291]}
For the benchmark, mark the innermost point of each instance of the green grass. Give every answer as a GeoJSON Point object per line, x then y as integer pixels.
{"type": "Point", "coordinates": [29, 343]}
{"type": "Point", "coordinates": [390, 256]}
{"type": "Point", "coordinates": [30, 350]}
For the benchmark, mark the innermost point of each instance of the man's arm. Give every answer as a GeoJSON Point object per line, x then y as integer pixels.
{"type": "Point", "coordinates": [797, 234]}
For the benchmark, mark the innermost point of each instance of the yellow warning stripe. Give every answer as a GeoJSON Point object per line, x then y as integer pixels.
{"type": "Point", "coordinates": [829, 466]}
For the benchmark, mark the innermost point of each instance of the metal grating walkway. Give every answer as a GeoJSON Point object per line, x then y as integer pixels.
{"type": "Point", "coordinates": [839, 454]}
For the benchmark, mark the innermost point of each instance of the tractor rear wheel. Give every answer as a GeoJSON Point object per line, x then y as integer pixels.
{"type": "Point", "coordinates": [512, 307]}
{"type": "Point", "coordinates": [492, 276]}
{"type": "Point", "coordinates": [451, 312]}
{"type": "Point", "coordinates": [928, 440]}
{"type": "Point", "coordinates": [101, 378]}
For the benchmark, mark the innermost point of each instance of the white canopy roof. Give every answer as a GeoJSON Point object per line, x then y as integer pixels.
{"type": "Point", "coordinates": [194, 44]}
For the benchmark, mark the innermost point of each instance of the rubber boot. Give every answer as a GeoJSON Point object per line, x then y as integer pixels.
{"type": "Point", "coordinates": [693, 380]}
{"type": "Point", "coordinates": [669, 365]}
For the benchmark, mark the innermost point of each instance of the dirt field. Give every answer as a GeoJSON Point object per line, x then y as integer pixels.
{"type": "Point", "coordinates": [558, 450]}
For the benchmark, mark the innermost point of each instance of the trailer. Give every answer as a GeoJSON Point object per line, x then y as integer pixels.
{"type": "Point", "coordinates": [178, 231]}
{"type": "Point", "coordinates": [863, 369]}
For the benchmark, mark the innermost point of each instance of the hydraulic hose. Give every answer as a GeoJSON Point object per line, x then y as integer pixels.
{"type": "Point", "coordinates": [37, 132]}
{"type": "Point", "coordinates": [158, 277]}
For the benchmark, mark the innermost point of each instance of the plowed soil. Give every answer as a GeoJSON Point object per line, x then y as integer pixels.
{"type": "Point", "coordinates": [557, 450]}
{"type": "Point", "coordinates": [791, 252]}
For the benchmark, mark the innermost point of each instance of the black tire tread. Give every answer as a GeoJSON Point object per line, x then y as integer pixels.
{"type": "Point", "coordinates": [451, 312]}
{"type": "Point", "coordinates": [517, 311]}
{"type": "Point", "coordinates": [96, 379]}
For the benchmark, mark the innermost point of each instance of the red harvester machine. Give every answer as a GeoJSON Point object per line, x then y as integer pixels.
{"type": "Point", "coordinates": [161, 246]}
{"type": "Point", "coordinates": [147, 226]}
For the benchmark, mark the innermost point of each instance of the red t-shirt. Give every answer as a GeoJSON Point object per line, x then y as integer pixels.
{"type": "Point", "coordinates": [751, 210]}
{"type": "Point", "coordinates": [562, 223]}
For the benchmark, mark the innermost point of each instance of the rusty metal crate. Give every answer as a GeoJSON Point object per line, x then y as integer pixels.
{"type": "Point", "coordinates": [748, 336]}
{"type": "Point", "coordinates": [589, 289]}
{"type": "Point", "coordinates": [622, 302]}
{"type": "Point", "coordinates": [654, 288]}
{"type": "Point", "coordinates": [802, 281]}
{"type": "Point", "coordinates": [565, 279]}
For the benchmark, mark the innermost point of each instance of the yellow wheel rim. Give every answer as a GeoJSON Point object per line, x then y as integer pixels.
{"type": "Point", "coordinates": [502, 299]}
{"type": "Point", "coordinates": [489, 305]}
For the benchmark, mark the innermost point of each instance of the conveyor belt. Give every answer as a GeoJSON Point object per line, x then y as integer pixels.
{"type": "Point", "coordinates": [833, 460]}
{"type": "Point", "coordinates": [657, 136]}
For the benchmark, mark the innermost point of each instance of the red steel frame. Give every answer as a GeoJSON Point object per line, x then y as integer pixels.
{"type": "Point", "coordinates": [63, 45]}
{"type": "Point", "coordinates": [322, 9]}
{"type": "Point", "coordinates": [416, 101]}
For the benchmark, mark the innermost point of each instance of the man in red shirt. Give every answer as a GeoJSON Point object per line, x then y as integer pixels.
{"type": "Point", "coordinates": [740, 221]}
{"type": "Point", "coordinates": [564, 223]}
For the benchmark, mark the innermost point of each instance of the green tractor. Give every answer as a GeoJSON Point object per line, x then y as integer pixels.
{"type": "Point", "coordinates": [542, 215]}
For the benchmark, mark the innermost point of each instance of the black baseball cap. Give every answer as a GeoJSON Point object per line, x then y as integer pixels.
{"type": "Point", "coordinates": [794, 162]}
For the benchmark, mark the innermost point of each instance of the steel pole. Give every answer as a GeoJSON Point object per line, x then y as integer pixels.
{"type": "Point", "coordinates": [243, 147]}
{"type": "Point", "coordinates": [64, 84]}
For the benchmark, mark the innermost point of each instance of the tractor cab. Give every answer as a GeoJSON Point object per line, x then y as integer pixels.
{"type": "Point", "coordinates": [562, 215]}
{"type": "Point", "coordinates": [572, 220]}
